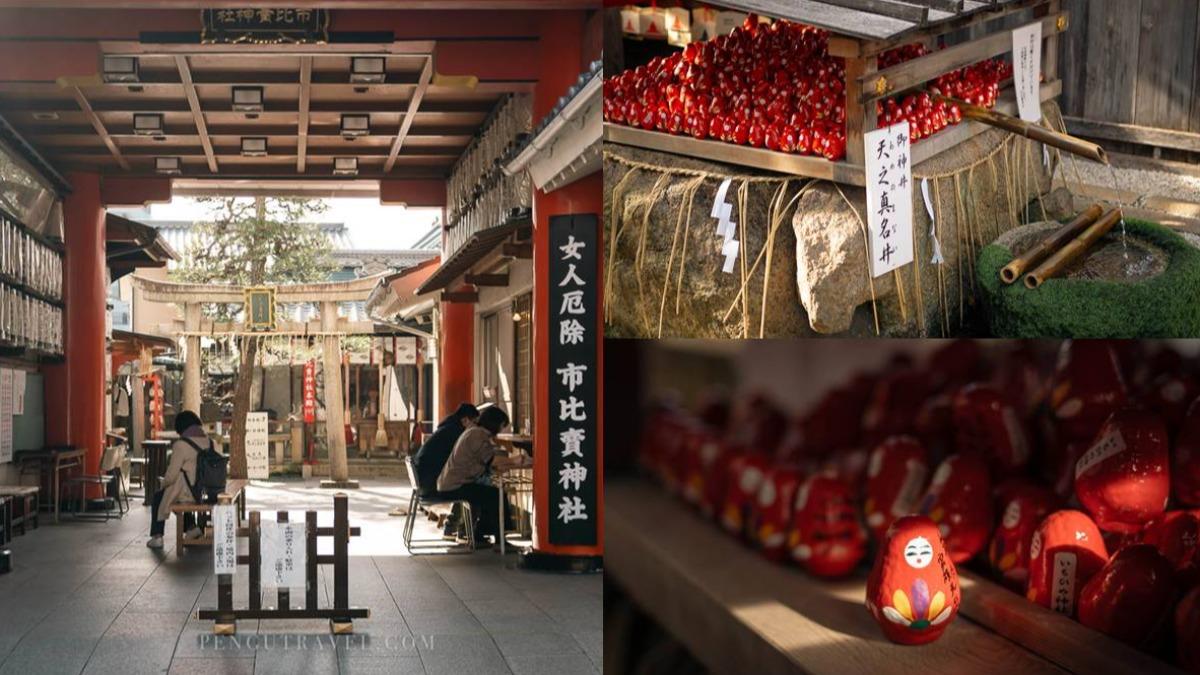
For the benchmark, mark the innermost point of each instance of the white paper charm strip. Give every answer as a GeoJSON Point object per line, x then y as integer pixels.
{"type": "Point", "coordinates": [937, 258]}
{"type": "Point", "coordinates": [730, 251]}
{"type": "Point", "coordinates": [720, 200]}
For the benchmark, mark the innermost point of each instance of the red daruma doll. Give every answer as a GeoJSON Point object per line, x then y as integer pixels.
{"type": "Point", "coordinates": [1065, 552]}
{"type": "Point", "coordinates": [1022, 509]}
{"type": "Point", "coordinates": [913, 589]}
{"type": "Point", "coordinates": [745, 476]}
{"type": "Point", "coordinates": [773, 510]}
{"type": "Point", "coordinates": [826, 538]}
{"type": "Point", "coordinates": [1123, 479]}
{"type": "Point", "coordinates": [959, 501]}
{"type": "Point", "coordinates": [896, 473]}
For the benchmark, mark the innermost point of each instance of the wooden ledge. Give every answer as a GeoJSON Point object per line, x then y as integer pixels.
{"type": "Point", "coordinates": [737, 612]}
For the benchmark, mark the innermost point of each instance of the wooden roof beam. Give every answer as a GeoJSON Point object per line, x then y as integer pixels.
{"type": "Point", "coordinates": [414, 104]}
{"type": "Point", "coordinates": [306, 64]}
{"type": "Point", "coordinates": [189, 88]}
{"type": "Point", "coordinates": [99, 127]}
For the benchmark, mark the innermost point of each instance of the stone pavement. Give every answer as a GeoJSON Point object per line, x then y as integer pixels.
{"type": "Point", "coordinates": [89, 597]}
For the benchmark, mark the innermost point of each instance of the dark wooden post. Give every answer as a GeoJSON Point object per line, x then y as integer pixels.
{"type": "Point", "coordinates": [310, 592]}
{"type": "Point", "coordinates": [285, 594]}
{"type": "Point", "coordinates": [255, 563]}
{"type": "Point", "coordinates": [341, 565]}
{"type": "Point", "coordinates": [226, 623]}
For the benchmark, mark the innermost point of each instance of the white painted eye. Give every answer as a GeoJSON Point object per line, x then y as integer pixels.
{"type": "Point", "coordinates": [766, 494]}
{"type": "Point", "coordinates": [876, 463]}
{"type": "Point", "coordinates": [942, 474]}
{"type": "Point", "coordinates": [801, 497]}
{"type": "Point", "coordinates": [750, 479]}
{"type": "Point", "coordinates": [1012, 515]}
{"type": "Point", "coordinates": [918, 553]}
{"type": "Point", "coordinates": [1069, 408]}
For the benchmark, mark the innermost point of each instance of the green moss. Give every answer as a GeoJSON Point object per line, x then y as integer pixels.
{"type": "Point", "coordinates": [1167, 305]}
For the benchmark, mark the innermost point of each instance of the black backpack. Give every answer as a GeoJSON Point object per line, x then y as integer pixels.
{"type": "Point", "coordinates": [212, 468]}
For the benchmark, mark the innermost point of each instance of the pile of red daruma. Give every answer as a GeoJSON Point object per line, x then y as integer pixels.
{"type": "Point", "coordinates": [775, 86]}
{"type": "Point", "coordinates": [1071, 476]}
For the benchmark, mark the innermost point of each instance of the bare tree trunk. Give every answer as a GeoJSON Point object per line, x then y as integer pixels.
{"type": "Point", "coordinates": [245, 374]}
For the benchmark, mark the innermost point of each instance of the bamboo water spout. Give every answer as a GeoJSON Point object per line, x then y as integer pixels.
{"type": "Point", "coordinates": [1073, 249]}
{"type": "Point", "coordinates": [1016, 125]}
{"type": "Point", "coordinates": [1029, 259]}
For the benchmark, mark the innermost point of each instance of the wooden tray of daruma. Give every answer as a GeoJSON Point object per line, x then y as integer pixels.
{"type": "Point", "coordinates": [808, 165]}
{"type": "Point", "coordinates": [865, 83]}
{"type": "Point", "coordinates": [737, 612]}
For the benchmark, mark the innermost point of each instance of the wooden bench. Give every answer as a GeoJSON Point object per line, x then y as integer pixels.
{"type": "Point", "coordinates": [25, 496]}
{"type": "Point", "coordinates": [235, 488]}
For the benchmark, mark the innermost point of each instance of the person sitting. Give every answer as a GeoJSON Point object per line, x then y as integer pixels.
{"type": "Point", "coordinates": [474, 456]}
{"type": "Point", "coordinates": [179, 478]}
{"type": "Point", "coordinates": [433, 453]}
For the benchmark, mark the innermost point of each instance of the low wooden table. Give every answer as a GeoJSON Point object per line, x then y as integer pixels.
{"type": "Point", "coordinates": [56, 460]}
{"type": "Point", "coordinates": [27, 497]}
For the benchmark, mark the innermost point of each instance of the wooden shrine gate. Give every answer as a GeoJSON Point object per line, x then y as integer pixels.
{"type": "Point", "coordinates": [340, 616]}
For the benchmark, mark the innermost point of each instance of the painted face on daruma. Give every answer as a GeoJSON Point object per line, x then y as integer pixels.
{"type": "Point", "coordinates": [896, 473]}
{"type": "Point", "coordinates": [913, 591]}
{"type": "Point", "coordinates": [745, 477]}
{"type": "Point", "coordinates": [773, 509]}
{"type": "Point", "coordinates": [826, 538]}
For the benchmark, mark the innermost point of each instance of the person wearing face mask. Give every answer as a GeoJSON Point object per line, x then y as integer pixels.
{"type": "Point", "coordinates": [475, 456]}
{"type": "Point", "coordinates": [436, 449]}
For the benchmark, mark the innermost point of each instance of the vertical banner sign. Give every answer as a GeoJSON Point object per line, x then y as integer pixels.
{"type": "Point", "coordinates": [224, 518]}
{"type": "Point", "coordinates": [284, 556]}
{"type": "Point", "coordinates": [310, 391]}
{"type": "Point", "coordinates": [1027, 68]}
{"type": "Point", "coordinates": [6, 413]}
{"type": "Point", "coordinates": [18, 392]}
{"type": "Point", "coordinates": [889, 198]}
{"type": "Point", "coordinates": [257, 466]}
{"type": "Point", "coordinates": [573, 380]}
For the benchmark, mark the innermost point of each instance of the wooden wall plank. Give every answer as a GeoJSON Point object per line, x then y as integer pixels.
{"type": "Point", "coordinates": [1164, 69]}
{"type": "Point", "coordinates": [1111, 68]}
{"type": "Point", "coordinates": [1072, 55]}
{"type": "Point", "coordinates": [1196, 78]}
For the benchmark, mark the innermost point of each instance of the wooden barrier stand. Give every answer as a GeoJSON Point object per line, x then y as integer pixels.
{"type": "Point", "coordinates": [340, 616]}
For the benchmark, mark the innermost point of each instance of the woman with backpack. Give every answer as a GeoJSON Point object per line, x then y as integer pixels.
{"type": "Point", "coordinates": [181, 483]}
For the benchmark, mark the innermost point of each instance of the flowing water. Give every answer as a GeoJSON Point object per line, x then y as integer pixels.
{"type": "Point", "coordinates": [1112, 171]}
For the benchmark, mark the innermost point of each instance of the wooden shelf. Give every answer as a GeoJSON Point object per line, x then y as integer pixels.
{"type": "Point", "coordinates": [808, 165]}
{"type": "Point", "coordinates": [737, 612]}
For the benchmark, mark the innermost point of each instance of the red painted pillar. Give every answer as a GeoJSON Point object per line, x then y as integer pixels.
{"type": "Point", "coordinates": [562, 61]}
{"type": "Point", "coordinates": [456, 370]}
{"type": "Point", "coordinates": [75, 388]}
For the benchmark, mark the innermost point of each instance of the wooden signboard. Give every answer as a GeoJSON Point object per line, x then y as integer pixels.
{"type": "Point", "coordinates": [265, 25]}
{"type": "Point", "coordinates": [260, 308]}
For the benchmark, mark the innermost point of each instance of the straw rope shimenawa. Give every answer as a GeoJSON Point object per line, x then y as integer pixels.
{"type": "Point", "coordinates": [970, 231]}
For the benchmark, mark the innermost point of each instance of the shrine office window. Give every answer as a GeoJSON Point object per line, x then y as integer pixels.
{"type": "Point", "coordinates": [489, 358]}
{"type": "Point", "coordinates": [522, 418]}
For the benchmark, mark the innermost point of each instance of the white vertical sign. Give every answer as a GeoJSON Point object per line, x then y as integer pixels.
{"type": "Point", "coordinates": [6, 412]}
{"type": "Point", "coordinates": [284, 555]}
{"type": "Point", "coordinates": [224, 521]}
{"type": "Point", "coordinates": [257, 463]}
{"type": "Point", "coordinates": [889, 197]}
{"type": "Point", "coordinates": [18, 392]}
{"type": "Point", "coordinates": [1027, 64]}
